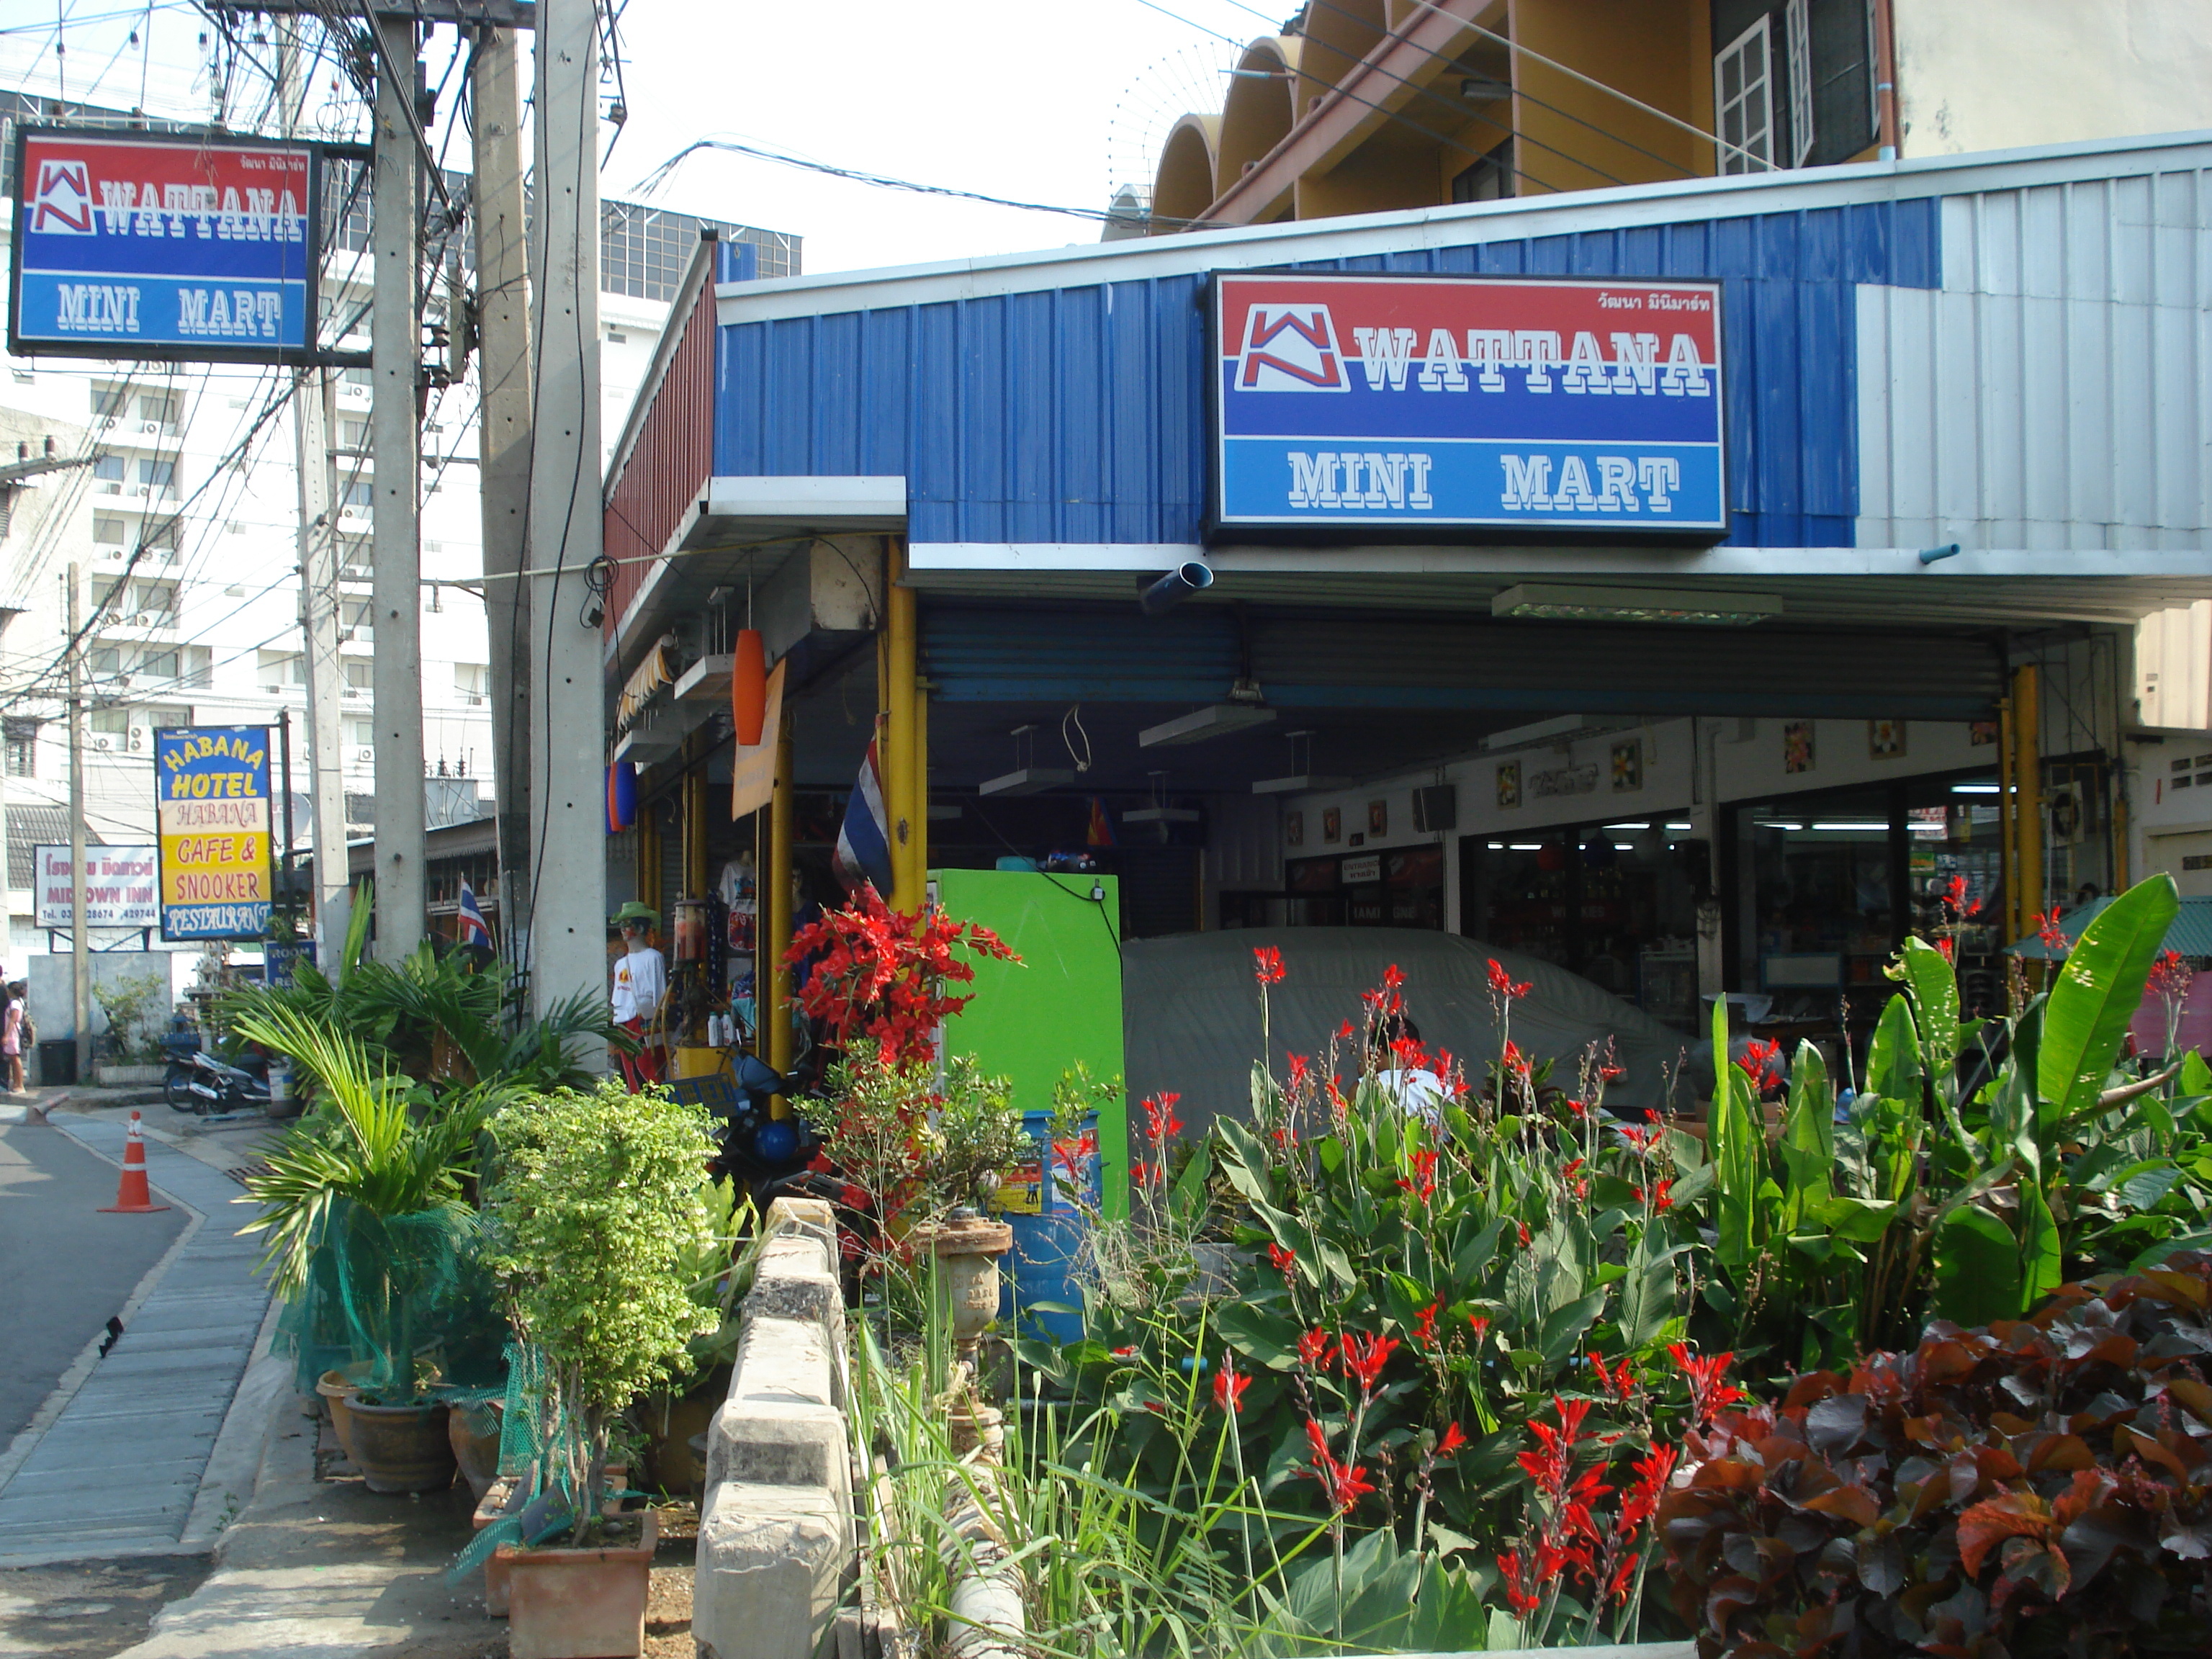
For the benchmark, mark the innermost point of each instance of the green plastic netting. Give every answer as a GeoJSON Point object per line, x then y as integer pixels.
{"type": "Point", "coordinates": [530, 1420]}
{"type": "Point", "coordinates": [399, 1304]}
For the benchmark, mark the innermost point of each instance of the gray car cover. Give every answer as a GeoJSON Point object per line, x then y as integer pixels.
{"type": "Point", "coordinates": [1191, 1011]}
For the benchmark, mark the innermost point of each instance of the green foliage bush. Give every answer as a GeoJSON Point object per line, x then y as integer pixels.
{"type": "Point", "coordinates": [2040, 1487]}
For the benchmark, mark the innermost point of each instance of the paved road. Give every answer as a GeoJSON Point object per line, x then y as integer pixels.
{"type": "Point", "coordinates": [64, 1268]}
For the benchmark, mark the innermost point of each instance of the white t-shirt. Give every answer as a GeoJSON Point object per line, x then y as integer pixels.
{"type": "Point", "coordinates": [1417, 1092]}
{"type": "Point", "coordinates": [640, 981]}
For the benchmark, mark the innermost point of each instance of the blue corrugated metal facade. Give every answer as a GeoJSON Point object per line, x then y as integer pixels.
{"type": "Point", "coordinates": [1077, 414]}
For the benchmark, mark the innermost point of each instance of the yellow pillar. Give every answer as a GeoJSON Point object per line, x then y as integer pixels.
{"type": "Point", "coordinates": [921, 791]}
{"type": "Point", "coordinates": [900, 750]}
{"type": "Point", "coordinates": [2028, 780]}
{"type": "Point", "coordinates": [648, 856]}
{"type": "Point", "coordinates": [2015, 915]}
{"type": "Point", "coordinates": [772, 988]}
{"type": "Point", "coordinates": [695, 831]}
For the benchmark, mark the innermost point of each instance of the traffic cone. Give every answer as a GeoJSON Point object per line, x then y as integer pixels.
{"type": "Point", "coordinates": [131, 1197]}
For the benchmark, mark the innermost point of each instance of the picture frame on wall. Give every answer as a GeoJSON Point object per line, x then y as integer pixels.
{"type": "Point", "coordinates": [1509, 783]}
{"type": "Point", "coordinates": [1378, 818]}
{"type": "Point", "coordinates": [1797, 746]}
{"type": "Point", "coordinates": [1886, 739]}
{"type": "Point", "coordinates": [1980, 734]}
{"type": "Point", "coordinates": [1627, 766]}
{"type": "Point", "coordinates": [1332, 825]}
{"type": "Point", "coordinates": [1294, 828]}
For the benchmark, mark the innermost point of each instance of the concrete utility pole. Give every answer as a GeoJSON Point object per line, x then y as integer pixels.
{"type": "Point", "coordinates": [396, 439]}
{"type": "Point", "coordinates": [80, 940]}
{"type": "Point", "coordinates": [312, 425]}
{"type": "Point", "coordinates": [503, 452]}
{"type": "Point", "coordinates": [568, 795]}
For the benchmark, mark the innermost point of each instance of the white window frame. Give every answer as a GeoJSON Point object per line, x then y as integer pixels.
{"type": "Point", "coordinates": [1754, 46]}
{"type": "Point", "coordinates": [1797, 42]}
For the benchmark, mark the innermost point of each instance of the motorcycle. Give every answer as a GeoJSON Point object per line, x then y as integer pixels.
{"type": "Point", "coordinates": [197, 1082]}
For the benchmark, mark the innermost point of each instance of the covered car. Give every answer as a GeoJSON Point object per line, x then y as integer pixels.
{"type": "Point", "coordinates": [1191, 1011]}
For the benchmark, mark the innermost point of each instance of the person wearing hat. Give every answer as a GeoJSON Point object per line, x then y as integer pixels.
{"type": "Point", "coordinates": [641, 983]}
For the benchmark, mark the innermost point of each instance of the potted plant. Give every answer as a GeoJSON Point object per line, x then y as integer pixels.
{"type": "Point", "coordinates": [364, 1204]}
{"type": "Point", "coordinates": [596, 1211]}
{"type": "Point", "coordinates": [133, 1054]}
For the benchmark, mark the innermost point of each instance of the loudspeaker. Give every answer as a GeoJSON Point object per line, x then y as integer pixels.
{"type": "Point", "coordinates": [1437, 807]}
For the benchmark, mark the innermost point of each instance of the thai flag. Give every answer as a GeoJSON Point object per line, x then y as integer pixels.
{"type": "Point", "coordinates": [474, 930]}
{"type": "Point", "coordinates": [864, 842]}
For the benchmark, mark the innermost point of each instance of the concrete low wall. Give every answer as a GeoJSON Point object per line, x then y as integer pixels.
{"type": "Point", "coordinates": [776, 1525]}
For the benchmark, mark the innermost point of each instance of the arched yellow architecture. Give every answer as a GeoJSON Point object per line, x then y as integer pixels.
{"type": "Point", "coordinates": [1337, 36]}
{"type": "Point", "coordinates": [1184, 187]}
{"type": "Point", "coordinates": [1256, 115]}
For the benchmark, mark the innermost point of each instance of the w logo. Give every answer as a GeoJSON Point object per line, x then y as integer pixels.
{"type": "Point", "coordinates": [64, 203]}
{"type": "Point", "coordinates": [1289, 347]}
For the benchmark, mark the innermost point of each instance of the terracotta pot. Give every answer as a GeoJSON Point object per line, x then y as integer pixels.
{"type": "Point", "coordinates": [579, 1604]}
{"type": "Point", "coordinates": [337, 1393]}
{"type": "Point", "coordinates": [402, 1448]}
{"type": "Point", "coordinates": [477, 1453]}
{"type": "Point", "coordinates": [504, 1499]}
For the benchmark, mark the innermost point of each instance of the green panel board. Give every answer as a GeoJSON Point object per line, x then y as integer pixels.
{"type": "Point", "coordinates": [1032, 1023]}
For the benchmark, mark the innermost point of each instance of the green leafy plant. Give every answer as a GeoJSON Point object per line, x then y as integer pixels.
{"type": "Point", "coordinates": [2033, 1487]}
{"type": "Point", "coordinates": [597, 1210]}
{"type": "Point", "coordinates": [130, 1002]}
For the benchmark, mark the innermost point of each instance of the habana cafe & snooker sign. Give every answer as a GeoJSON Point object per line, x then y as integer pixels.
{"type": "Point", "coordinates": [183, 247]}
{"type": "Point", "coordinates": [212, 812]}
{"type": "Point", "coordinates": [1398, 405]}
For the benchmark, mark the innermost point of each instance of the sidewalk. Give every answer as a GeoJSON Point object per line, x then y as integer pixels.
{"type": "Point", "coordinates": [129, 1456]}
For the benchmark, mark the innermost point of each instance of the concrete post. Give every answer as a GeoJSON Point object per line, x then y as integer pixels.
{"type": "Point", "coordinates": [567, 751]}
{"type": "Point", "coordinates": [79, 941]}
{"type": "Point", "coordinates": [396, 441]}
{"type": "Point", "coordinates": [503, 450]}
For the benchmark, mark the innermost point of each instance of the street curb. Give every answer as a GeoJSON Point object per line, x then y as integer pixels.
{"type": "Point", "coordinates": [241, 1444]}
{"type": "Point", "coordinates": [27, 1438]}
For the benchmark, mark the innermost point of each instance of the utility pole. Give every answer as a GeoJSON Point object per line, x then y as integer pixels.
{"type": "Point", "coordinates": [503, 454]}
{"type": "Point", "coordinates": [396, 439]}
{"type": "Point", "coordinates": [567, 753]}
{"type": "Point", "coordinates": [312, 425]}
{"type": "Point", "coordinates": [80, 941]}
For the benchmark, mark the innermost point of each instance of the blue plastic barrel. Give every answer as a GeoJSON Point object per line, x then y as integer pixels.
{"type": "Point", "coordinates": [1049, 1205]}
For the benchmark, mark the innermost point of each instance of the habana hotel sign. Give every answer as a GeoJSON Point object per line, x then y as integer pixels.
{"type": "Point", "coordinates": [1482, 403]}
{"type": "Point", "coordinates": [163, 245]}
{"type": "Point", "coordinates": [212, 812]}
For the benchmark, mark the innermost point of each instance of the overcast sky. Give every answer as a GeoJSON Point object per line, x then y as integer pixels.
{"type": "Point", "coordinates": [1010, 98]}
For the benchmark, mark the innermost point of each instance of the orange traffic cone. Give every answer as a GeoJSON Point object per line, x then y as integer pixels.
{"type": "Point", "coordinates": [131, 1197]}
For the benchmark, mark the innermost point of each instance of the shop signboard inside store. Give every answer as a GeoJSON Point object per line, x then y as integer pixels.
{"type": "Point", "coordinates": [1423, 403]}
{"type": "Point", "coordinates": [212, 810]}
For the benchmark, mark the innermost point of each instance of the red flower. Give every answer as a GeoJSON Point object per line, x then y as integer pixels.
{"type": "Point", "coordinates": [1641, 1140]}
{"type": "Point", "coordinates": [1641, 1500]}
{"type": "Point", "coordinates": [1392, 979]}
{"type": "Point", "coordinates": [1611, 1074]}
{"type": "Point", "coordinates": [1317, 1437]}
{"type": "Point", "coordinates": [1160, 1121]}
{"type": "Point", "coordinates": [1298, 1073]}
{"type": "Point", "coordinates": [1479, 1324]}
{"type": "Point", "coordinates": [1949, 947]}
{"type": "Point", "coordinates": [1503, 983]}
{"type": "Point", "coordinates": [1268, 964]}
{"type": "Point", "coordinates": [1124, 1353]}
{"type": "Point", "coordinates": [1229, 1388]}
{"type": "Point", "coordinates": [1144, 1174]}
{"type": "Point", "coordinates": [1757, 1057]}
{"type": "Point", "coordinates": [877, 973]}
{"type": "Point", "coordinates": [1621, 1382]}
{"type": "Point", "coordinates": [1519, 1599]}
{"type": "Point", "coordinates": [1345, 1033]}
{"type": "Point", "coordinates": [2048, 930]}
{"type": "Point", "coordinates": [1366, 1356]}
{"type": "Point", "coordinates": [1579, 1108]}
{"type": "Point", "coordinates": [1284, 1260]}
{"type": "Point", "coordinates": [1710, 1390]}
{"type": "Point", "coordinates": [1314, 1351]}
{"type": "Point", "coordinates": [1424, 1326]}
{"type": "Point", "coordinates": [1423, 1186]}
{"type": "Point", "coordinates": [1662, 1198]}
{"type": "Point", "coordinates": [2170, 977]}
{"type": "Point", "coordinates": [1347, 1484]}
{"type": "Point", "coordinates": [1452, 1441]}
{"type": "Point", "coordinates": [1523, 1227]}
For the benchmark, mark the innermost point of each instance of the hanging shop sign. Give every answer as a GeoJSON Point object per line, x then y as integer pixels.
{"type": "Point", "coordinates": [212, 812]}
{"type": "Point", "coordinates": [1417, 404]}
{"type": "Point", "coordinates": [119, 887]}
{"type": "Point", "coordinates": [179, 246]}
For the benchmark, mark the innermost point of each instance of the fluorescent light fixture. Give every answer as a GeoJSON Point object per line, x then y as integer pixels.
{"type": "Point", "coordinates": [1534, 732]}
{"type": "Point", "coordinates": [1027, 781]}
{"type": "Point", "coordinates": [1528, 846]}
{"type": "Point", "coordinates": [944, 811]}
{"type": "Point", "coordinates": [1678, 826]}
{"type": "Point", "coordinates": [1625, 826]}
{"type": "Point", "coordinates": [1216, 721]}
{"type": "Point", "coordinates": [1558, 602]}
{"type": "Point", "coordinates": [1775, 824]}
{"type": "Point", "coordinates": [1973, 789]}
{"type": "Point", "coordinates": [1161, 815]}
{"type": "Point", "coordinates": [1299, 783]}
{"type": "Point", "coordinates": [1623, 847]}
{"type": "Point", "coordinates": [1496, 846]}
{"type": "Point", "coordinates": [1884, 828]}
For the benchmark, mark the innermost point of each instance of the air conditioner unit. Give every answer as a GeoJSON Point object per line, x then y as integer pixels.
{"type": "Point", "coordinates": [150, 426]}
{"type": "Point", "coordinates": [366, 753]}
{"type": "Point", "coordinates": [141, 740]}
{"type": "Point", "coordinates": [102, 742]}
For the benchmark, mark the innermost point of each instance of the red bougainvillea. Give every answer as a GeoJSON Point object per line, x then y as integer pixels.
{"type": "Point", "coordinates": [879, 973]}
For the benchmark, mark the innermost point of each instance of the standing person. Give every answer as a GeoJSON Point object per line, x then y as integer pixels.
{"type": "Point", "coordinates": [11, 1037]}
{"type": "Point", "coordinates": [640, 981]}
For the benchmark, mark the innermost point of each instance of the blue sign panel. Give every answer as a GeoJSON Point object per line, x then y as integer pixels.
{"type": "Point", "coordinates": [1432, 403]}
{"type": "Point", "coordinates": [143, 244]}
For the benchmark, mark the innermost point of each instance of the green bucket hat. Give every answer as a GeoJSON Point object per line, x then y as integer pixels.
{"type": "Point", "coordinates": [635, 911]}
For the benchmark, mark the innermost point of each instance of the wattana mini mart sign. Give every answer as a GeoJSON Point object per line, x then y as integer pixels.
{"type": "Point", "coordinates": [1423, 403]}
{"type": "Point", "coordinates": [156, 246]}
{"type": "Point", "coordinates": [212, 809]}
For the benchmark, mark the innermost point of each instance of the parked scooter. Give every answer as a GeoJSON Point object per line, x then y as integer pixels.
{"type": "Point", "coordinates": [198, 1082]}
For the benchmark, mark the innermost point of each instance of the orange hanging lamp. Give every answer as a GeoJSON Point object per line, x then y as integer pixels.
{"type": "Point", "coordinates": [749, 687]}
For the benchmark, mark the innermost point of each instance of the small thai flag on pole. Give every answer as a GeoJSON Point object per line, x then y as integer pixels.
{"type": "Point", "coordinates": [864, 842]}
{"type": "Point", "coordinates": [474, 930]}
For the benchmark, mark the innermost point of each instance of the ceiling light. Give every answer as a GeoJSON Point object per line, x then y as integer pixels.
{"type": "Point", "coordinates": [1528, 846]}
{"type": "Point", "coordinates": [1026, 780]}
{"type": "Point", "coordinates": [1973, 789]}
{"type": "Point", "coordinates": [1304, 778]}
{"type": "Point", "coordinates": [1884, 828]}
{"type": "Point", "coordinates": [1678, 826]}
{"type": "Point", "coordinates": [1557, 602]}
{"type": "Point", "coordinates": [1483, 89]}
{"type": "Point", "coordinates": [1534, 732]}
{"type": "Point", "coordinates": [1217, 720]}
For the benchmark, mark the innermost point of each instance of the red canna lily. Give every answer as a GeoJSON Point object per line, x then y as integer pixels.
{"type": "Point", "coordinates": [1315, 1349]}
{"type": "Point", "coordinates": [1424, 1326]}
{"type": "Point", "coordinates": [1423, 1186]}
{"type": "Point", "coordinates": [1452, 1441]}
{"type": "Point", "coordinates": [1268, 964]}
{"type": "Point", "coordinates": [1229, 1386]}
{"type": "Point", "coordinates": [1520, 1600]}
{"type": "Point", "coordinates": [1281, 1259]}
{"type": "Point", "coordinates": [1366, 1356]}
{"type": "Point", "coordinates": [1710, 1390]}
{"type": "Point", "coordinates": [1504, 984]}
{"type": "Point", "coordinates": [1160, 1121]}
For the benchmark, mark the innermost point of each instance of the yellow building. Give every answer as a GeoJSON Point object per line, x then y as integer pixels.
{"type": "Point", "coordinates": [1370, 106]}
